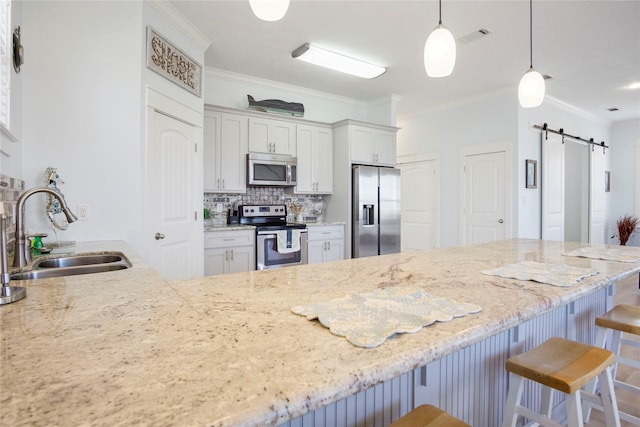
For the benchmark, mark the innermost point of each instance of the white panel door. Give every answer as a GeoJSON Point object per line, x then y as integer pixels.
{"type": "Point", "coordinates": [419, 205]}
{"type": "Point", "coordinates": [597, 210]}
{"type": "Point", "coordinates": [175, 240]}
{"type": "Point", "coordinates": [484, 197]}
{"type": "Point", "coordinates": [552, 184]}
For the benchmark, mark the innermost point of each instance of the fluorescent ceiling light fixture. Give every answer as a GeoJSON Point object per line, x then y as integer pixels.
{"type": "Point", "coordinates": [269, 10]}
{"type": "Point", "coordinates": [336, 61]}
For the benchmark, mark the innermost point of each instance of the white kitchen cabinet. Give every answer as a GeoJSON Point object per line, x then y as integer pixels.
{"type": "Point", "coordinates": [225, 151]}
{"type": "Point", "coordinates": [230, 251]}
{"type": "Point", "coordinates": [314, 145]}
{"type": "Point", "coordinates": [372, 146]}
{"type": "Point", "coordinates": [272, 136]}
{"type": "Point", "coordinates": [325, 243]}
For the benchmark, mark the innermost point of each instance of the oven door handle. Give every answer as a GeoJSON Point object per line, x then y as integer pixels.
{"type": "Point", "coordinates": [271, 234]}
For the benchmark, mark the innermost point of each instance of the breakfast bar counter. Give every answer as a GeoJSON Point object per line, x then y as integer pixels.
{"type": "Point", "coordinates": [128, 348]}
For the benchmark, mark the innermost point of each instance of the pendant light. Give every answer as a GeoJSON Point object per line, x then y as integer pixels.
{"type": "Point", "coordinates": [440, 50]}
{"type": "Point", "coordinates": [269, 10]}
{"type": "Point", "coordinates": [531, 88]}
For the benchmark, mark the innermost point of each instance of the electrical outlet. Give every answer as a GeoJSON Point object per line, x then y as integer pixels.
{"type": "Point", "coordinates": [83, 212]}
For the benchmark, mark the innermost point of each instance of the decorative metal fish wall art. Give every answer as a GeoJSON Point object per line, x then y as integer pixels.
{"type": "Point", "coordinates": [295, 109]}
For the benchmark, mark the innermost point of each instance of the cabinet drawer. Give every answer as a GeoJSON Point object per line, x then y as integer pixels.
{"type": "Point", "coordinates": [228, 239]}
{"type": "Point", "coordinates": [326, 232]}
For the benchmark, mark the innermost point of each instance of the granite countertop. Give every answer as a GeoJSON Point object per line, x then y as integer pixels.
{"type": "Point", "coordinates": [126, 347]}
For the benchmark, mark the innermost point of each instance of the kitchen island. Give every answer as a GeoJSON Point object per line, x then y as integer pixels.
{"type": "Point", "coordinates": [128, 348]}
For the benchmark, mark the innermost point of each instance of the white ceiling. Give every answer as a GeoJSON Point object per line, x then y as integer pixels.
{"type": "Point", "coordinates": [591, 49]}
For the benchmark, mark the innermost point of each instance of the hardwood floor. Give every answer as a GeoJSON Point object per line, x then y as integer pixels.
{"type": "Point", "coordinates": [627, 292]}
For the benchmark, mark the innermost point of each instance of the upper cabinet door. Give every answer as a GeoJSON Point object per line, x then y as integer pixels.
{"type": "Point", "coordinates": [306, 160]}
{"type": "Point", "coordinates": [272, 136]}
{"type": "Point", "coordinates": [211, 150]}
{"type": "Point", "coordinates": [315, 160]}
{"type": "Point", "coordinates": [225, 151]}
{"type": "Point", "coordinates": [233, 153]}
{"type": "Point", "coordinates": [324, 161]}
{"type": "Point", "coordinates": [385, 143]}
{"type": "Point", "coordinates": [362, 145]}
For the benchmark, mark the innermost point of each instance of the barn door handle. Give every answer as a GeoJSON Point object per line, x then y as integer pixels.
{"type": "Point", "coordinates": [159, 236]}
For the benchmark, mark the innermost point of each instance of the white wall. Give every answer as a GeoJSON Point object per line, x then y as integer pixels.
{"type": "Point", "coordinates": [624, 167]}
{"type": "Point", "coordinates": [487, 119]}
{"type": "Point", "coordinates": [81, 113]}
{"type": "Point", "coordinates": [83, 110]}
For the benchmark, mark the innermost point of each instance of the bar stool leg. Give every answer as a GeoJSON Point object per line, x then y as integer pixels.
{"type": "Point", "coordinates": [609, 402]}
{"type": "Point", "coordinates": [615, 348]}
{"type": "Point", "coordinates": [546, 401]}
{"type": "Point", "coordinates": [574, 409]}
{"type": "Point", "coordinates": [514, 396]}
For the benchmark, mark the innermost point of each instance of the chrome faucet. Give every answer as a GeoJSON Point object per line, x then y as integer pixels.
{"type": "Point", "coordinates": [23, 249]}
{"type": "Point", "coordinates": [8, 294]}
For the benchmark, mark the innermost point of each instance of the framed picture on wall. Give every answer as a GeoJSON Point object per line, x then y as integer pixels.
{"type": "Point", "coordinates": [531, 169]}
{"type": "Point", "coordinates": [607, 181]}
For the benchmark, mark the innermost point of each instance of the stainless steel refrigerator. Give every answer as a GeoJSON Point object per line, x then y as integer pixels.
{"type": "Point", "coordinates": [375, 211]}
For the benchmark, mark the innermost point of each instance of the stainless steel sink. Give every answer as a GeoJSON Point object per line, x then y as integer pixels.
{"type": "Point", "coordinates": [77, 260]}
{"type": "Point", "coordinates": [71, 265]}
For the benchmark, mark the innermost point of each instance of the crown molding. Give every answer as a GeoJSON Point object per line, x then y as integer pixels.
{"type": "Point", "coordinates": [173, 15]}
{"type": "Point", "coordinates": [282, 86]}
{"type": "Point", "coordinates": [575, 110]}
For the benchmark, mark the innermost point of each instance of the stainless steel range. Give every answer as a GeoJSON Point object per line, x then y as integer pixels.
{"type": "Point", "coordinates": [278, 243]}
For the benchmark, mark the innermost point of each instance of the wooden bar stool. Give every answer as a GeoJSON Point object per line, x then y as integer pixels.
{"type": "Point", "coordinates": [428, 416]}
{"type": "Point", "coordinates": [566, 366]}
{"type": "Point", "coordinates": [611, 325]}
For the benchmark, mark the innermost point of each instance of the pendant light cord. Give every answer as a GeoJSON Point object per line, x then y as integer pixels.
{"type": "Point", "coordinates": [530, 34]}
{"type": "Point", "coordinates": [440, 12]}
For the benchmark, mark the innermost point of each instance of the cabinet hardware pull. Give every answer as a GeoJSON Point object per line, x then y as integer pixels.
{"type": "Point", "coordinates": [328, 246]}
{"type": "Point", "coordinates": [159, 236]}
{"type": "Point", "coordinates": [231, 254]}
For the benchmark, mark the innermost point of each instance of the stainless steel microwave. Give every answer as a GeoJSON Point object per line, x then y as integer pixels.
{"type": "Point", "coordinates": [271, 169]}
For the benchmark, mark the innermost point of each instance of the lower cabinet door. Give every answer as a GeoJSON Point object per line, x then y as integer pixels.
{"type": "Point", "coordinates": [315, 251]}
{"type": "Point", "coordinates": [335, 250]}
{"type": "Point", "coordinates": [215, 261]}
{"type": "Point", "coordinates": [241, 259]}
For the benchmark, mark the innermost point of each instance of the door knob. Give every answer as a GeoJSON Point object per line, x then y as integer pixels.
{"type": "Point", "coordinates": [500, 221]}
{"type": "Point", "coordinates": [159, 236]}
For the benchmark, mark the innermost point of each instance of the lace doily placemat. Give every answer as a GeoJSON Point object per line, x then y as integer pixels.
{"type": "Point", "coordinates": [552, 274]}
{"type": "Point", "coordinates": [621, 253]}
{"type": "Point", "coordinates": [368, 319]}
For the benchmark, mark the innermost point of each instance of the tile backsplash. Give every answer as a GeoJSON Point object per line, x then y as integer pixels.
{"type": "Point", "coordinates": [10, 191]}
{"type": "Point", "coordinates": [311, 206]}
